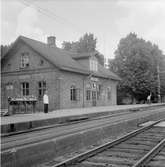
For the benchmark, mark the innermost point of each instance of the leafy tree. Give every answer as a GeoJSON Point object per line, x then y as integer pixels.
{"type": "Point", "coordinates": [162, 77]}
{"type": "Point", "coordinates": [100, 58]}
{"type": "Point", "coordinates": [5, 48]}
{"type": "Point", "coordinates": [85, 44]}
{"type": "Point", "coordinates": [67, 45]}
{"type": "Point", "coordinates": [136, 63]}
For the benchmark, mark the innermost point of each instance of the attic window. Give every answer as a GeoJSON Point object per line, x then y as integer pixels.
{"type": "Point", "coordinates": [24, 60]}
{"type": "Point", "coordinates": [93, 65]}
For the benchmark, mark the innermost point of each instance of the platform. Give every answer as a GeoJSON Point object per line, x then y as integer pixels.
{"type": "Point", "coordinates": [39, 147]}
{"type": "Point", "coordinates": [26, 121]}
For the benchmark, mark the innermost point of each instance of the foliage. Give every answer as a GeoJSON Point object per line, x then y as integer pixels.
{"type": "Point", "coordinates": [4, 49]}
{"type": "Point", "coordinates": [162, 76]}
{"type": "Point", "coordinates": [85, 44]}
{"type": "Point", "coordinates": [136, 63]}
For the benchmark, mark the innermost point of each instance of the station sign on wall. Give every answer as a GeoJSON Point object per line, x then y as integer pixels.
{"type": "Point", "coordinates": [9, 86]}
{"type": "Point", "coordinates": [88, 86]}
{"type": "Point", "coordinates": [94, 79]}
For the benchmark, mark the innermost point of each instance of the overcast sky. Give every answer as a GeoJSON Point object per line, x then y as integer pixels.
{"type": "Point", "coordinates": [68, 20]}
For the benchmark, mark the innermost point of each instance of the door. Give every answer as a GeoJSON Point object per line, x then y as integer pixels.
{"type": "Point", "coordinates": [93, 98]}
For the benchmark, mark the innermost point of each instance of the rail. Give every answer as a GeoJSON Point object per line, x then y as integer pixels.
{"type": "Point", "coordinates": [103, 147]}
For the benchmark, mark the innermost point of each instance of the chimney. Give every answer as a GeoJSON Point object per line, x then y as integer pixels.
{"type": "Point", "coordinates": [51, 41]}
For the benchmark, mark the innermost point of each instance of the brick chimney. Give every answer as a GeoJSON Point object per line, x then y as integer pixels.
{"type": "Point", "coordinates": [51, 41]}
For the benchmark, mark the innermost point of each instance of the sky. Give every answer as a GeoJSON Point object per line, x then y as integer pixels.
{"type": "Point", "coordinates": [68, 20]}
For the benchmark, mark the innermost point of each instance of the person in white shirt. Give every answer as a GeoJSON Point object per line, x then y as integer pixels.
{"type": "Point", "coordinates": [46, 101]}
{"type": "Point", "coordinates": [149, 99]}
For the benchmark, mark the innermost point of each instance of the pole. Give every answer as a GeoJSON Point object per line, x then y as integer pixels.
{"type": "Point", "coordinates": [158, 78]}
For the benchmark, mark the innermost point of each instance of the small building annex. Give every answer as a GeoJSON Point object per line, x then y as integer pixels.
{"type": "Point", "coordinates": [72, 80]}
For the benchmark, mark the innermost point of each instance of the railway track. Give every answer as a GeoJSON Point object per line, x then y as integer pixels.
{"type": "Point", "coordinates": [158, 160]}
{"type": "Point", "coordinates": [136, 149]}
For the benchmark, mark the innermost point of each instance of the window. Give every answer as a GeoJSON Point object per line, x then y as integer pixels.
{"type": "Point", "coordinates": [88, 94]}
{"type": "Point", "coordinates": [41, 62]}
{"type": "Point", "coordinates": [25, 60]}
{"type": "Point", "coordinates": [74, 93]}
{"type": "Point", "coordinates": [93, 65]}
{"type": "Point", "coordinates": [108, 93]}
{"type": "Point", "coordinates": [25, 88]}
{"type": "Point", "coordinates": [41, 88]}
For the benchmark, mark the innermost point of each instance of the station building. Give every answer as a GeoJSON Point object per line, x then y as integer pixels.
{"type": "Point", "coordinates": [72, 80]}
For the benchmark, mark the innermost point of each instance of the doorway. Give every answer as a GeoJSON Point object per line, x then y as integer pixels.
{"type": "Point", "coordinates": [94, 98]}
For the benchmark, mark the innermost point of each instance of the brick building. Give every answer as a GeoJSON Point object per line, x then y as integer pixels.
{"type": "Point", "coordinates": [72, 80]}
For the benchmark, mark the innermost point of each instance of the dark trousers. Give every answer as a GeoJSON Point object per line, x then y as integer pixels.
{"type": "Point", "coordinates": [45, 108]}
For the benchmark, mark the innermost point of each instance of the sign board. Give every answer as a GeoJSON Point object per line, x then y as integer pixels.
{"type": "Point", "coordinates": [88, 86]}
{"type": "Point", "coordinates": [9, 87]}
{"type": "Point", "coordinates": [94, 79]}
{"type": "Point", "coordinates": [94, 86]}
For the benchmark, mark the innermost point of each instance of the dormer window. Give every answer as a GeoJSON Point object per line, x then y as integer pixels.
{"type": "Point", "coordinates": [93, 65]}
{"type": "Point", "coordinates": [24, 60]}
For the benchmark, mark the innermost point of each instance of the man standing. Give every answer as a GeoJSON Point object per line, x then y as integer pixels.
{"type": "Point", "coordinates": [149, 99]}
{"type": "Point", "coordinates": [46, 101]}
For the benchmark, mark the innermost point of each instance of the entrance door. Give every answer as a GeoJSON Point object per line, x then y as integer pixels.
{"type": "Point", "coordinates": [93, 98]}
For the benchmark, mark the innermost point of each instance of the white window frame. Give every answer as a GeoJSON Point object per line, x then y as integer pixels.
{"type": "Point", "coordinates": [88, 94]}
{"type": "Point", "coordinates": [93, 65]}
{"type": "Point", "coordinates": [74, 93]}
{"type": "Point", "coordinates": [41, 88]}
{"type": "Point", "coordinates": [25, 88]}
{"type": "Point", "coordinates": [25, 60]}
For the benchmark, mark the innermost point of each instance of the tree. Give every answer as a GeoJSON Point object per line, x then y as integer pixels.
{"type": "Point", "coordinates": [136, 63]}
{"type": "Point", "coordinates": [162, 76]}
{"type": "Point", "coordinates": [67, 45]}
{"type": "Point", "coordinates": [85, 44]}
{"type": "Point", "coordinates": [5, 48]}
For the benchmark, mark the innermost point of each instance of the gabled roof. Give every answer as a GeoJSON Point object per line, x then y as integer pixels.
{"type": "Point", "coordinates": [62, 59]}
{"type": "Point", "coordinates": [56, 55]}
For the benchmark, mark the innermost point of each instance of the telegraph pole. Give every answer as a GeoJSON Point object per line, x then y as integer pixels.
{"type": "Point", "coordinates": [158, 78]}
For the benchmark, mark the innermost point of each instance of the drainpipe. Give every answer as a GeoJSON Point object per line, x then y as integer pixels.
{"type": "Point", "coordinates": [60, 91]}
{"type": "Point", "coordinates": [83, 105]}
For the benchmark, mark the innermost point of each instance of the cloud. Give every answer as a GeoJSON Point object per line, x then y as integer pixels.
{"type": "Point", "coordinates": [146, 18]}
{"type": "Point", "coordinates": [27, 24]}
{"type": "Point", "coordinates": [6, 31]}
